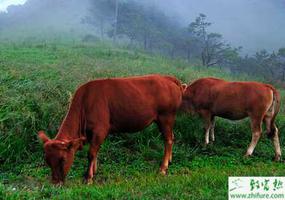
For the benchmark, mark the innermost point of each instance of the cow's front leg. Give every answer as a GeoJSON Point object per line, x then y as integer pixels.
{"type": "Point", "coordinates": [96, 142]}
{"type": "Point", "coordinates": [212, 129]}
{"type": "Point", "coordinates": [206, 115]}
{"type": "Point", "coordinates": [170, 157]}
{"type": "Point", "coordinates": [92, 163]}
{"type": "Point", "coordinates": [165, 124]}
{"type": "Point", "coordinates": [207, 133]}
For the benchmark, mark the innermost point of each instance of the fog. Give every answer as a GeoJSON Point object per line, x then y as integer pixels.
{"type": "Point", "coordinates": [252, 24]}
{"type": "Point", "coordinates": [43, 19]}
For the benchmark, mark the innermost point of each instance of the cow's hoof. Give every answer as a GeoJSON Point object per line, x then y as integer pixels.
{"type": "Point", "coordinates": [246, 156]}
{"type": "Point", "coordinates": [206, 144]}
{"type": "Point", "coordinates": [163, 172]}
{"type": "Point", "coordinates": [277, 158]}
{"type": "Point", "coordinates": [59, 184]}
{"type": "Point", "coordinates": [88, 181]}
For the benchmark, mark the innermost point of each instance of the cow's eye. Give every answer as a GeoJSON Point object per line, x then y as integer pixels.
{"type": "Point", "coordinates": [48, 162]}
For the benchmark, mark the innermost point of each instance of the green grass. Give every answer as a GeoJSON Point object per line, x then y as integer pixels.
{"type": "Point", "coordinates": [36, 83]}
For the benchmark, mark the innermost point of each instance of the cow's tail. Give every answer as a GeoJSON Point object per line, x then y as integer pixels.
{"type": "Point", "coordinates": [276, 107]}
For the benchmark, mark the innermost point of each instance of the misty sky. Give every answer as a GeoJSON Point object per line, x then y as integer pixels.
{"type": "Point", "coordinates": [5, 3]}
{"type": "Point", "coordinates": [253, 24]}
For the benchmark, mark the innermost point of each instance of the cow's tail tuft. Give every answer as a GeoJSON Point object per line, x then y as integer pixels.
{"type": "Point", "coordinates": [276, 106]}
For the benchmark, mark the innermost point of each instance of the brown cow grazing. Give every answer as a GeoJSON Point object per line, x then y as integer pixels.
{"type": "Point", "coordinates": [210, 97]}
{"type": "Point", "coordinates": [108, 106]}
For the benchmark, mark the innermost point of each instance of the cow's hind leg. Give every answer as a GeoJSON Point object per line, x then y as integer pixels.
{"type": "Point", "coordinates": [165, 124]}
{"type": "Point", "coordinates": [256, 133]}
{"type": "Point", "coordinates": [98, 137]}
{"type": "Point", "coordinates": [276, 144]}
{"type": "Point", "coordinates": [272, 132]}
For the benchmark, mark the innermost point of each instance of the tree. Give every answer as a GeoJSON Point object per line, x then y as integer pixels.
{"type": "Point", "coordinates": [131, 21]}
{"type": "Point", "coordinates": [281, 62]}
{"type": "Point", "coordinates": [147, 26]}
{"type": "Point", "coordinates": [102, 14]}
{"type": "Point", "coordinates": [231, 58]}
{"type": "Point", "coordinates": [211, 44]}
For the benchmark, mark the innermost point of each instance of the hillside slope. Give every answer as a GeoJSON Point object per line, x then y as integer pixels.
{"type": "Point", "coordinates": [36, 83]}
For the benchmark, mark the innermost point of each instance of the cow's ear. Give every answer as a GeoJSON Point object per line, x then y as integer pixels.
{"type": "Point", "coordinates": [184, 86]}
{"type": "Point", "coordinates": [43, 137]}
{"type": "Point", "coordinates": [75, 143]}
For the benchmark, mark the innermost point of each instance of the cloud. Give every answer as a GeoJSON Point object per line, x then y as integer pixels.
{"type": "Point", "coordinates": [5, 3]}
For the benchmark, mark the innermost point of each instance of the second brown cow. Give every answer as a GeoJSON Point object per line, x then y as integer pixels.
{"type": "Point", "coordinates": [212, 97]}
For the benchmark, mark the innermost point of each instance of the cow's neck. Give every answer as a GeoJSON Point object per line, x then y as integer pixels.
{"type": "Point", "coordinates": [71, 127]}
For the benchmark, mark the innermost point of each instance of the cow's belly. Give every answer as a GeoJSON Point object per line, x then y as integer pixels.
{"type": "Point", "coordinates": [131, 122]}
{"type": "Point", "coordinates": [230, 111]}
{"type": "Point", "coordinates": [232, 116]}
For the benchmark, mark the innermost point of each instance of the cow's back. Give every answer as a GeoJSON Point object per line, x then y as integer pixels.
{"type": "Point", "coordinates": [232, 100]}
{"type": "Point", "coordinates": [129, 104]}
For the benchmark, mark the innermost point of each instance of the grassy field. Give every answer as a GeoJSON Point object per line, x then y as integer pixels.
{"type": "Point", "coordinates": [36, 83]}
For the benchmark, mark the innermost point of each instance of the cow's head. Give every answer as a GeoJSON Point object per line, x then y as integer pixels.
{"type": "Point", "coordinates": [59, 155]}
{"type": "Point", "coordinates": [186, 99]}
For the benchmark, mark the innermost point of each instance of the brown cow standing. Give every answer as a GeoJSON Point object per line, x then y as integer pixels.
{"type": "Point", "coordinates": [212, 97]}
{"type": "Point", "coordinates": [108, 106]}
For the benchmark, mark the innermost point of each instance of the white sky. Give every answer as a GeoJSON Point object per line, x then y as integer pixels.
{"type": "Point", "coordinates": [5, 3]}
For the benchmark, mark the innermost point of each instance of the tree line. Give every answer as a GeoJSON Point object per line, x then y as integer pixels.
{"type": "Point", "coordinates": [149, 28]}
